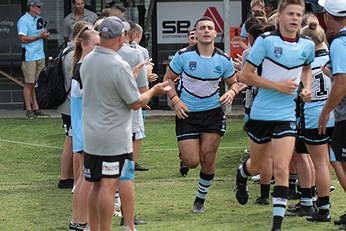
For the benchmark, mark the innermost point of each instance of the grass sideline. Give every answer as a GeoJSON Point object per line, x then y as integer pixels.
{"type": "Point", "coordinates": [30, 199]}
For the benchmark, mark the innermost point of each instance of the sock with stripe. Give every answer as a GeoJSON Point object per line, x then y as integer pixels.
{"type": "Point", "coordinates": [323, 205]}
{"type": "Point", "coordinates": [205, 181]}
{"type": "Point", "coordinates": [279, 205]}
{"type": "Point", "coordinates": [306, 198]}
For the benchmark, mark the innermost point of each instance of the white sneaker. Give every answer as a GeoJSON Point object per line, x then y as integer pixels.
{"type": "Point", "coordinates": [126, 228]}
{"type": "Point", "coordinates": [256, 178]}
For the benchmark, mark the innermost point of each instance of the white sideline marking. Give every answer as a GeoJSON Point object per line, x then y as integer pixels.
{"type": "Point", "coordinates": [146, 149]}
{"type": "Point", "coordinates": [29, 144]}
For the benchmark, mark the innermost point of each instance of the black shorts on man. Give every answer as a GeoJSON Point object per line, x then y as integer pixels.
{"type": "Point", "coordinates": [211, 121]}
{"type": "Point", "coordinates": [97, 167]}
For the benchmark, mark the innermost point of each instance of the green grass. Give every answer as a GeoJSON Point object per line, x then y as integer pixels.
{"type": "Point", "coordinates": [30, 199]}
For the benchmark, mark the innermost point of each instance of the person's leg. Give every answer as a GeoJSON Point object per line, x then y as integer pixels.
{"type": "Point", "coordinates": [82, 194]}
{"type": "Point", "coordinates": [303, 169]}
{"type": "Point", "coordinates": [127, 202]}
{"type": "Point", "coordinates": [105, 202]}
{"type": "Point", "coordinates": [266, 174]}
{"type": "Point", "coordinates": [250, 167]}
{"type": "Point", "coordinates": [340, 171]}
{"type": "Point", "coordinates": [94, 217]}
{"type": "Point", "coordinates": [136, 144]}
{"type": "Point", "coordinates": [39, 66]}
{"type": "Point", "coordinates": [208, 147]}
{"type": "Point", "coordinates": [27, 95]}
{"type": "Point", "coordinates": [189, 150]}
{"type": "Point", "coordinates": [282, 149]}
{"type": "Point", "coordinates": [66, 163]}
{"type": "Point", "coordinates": [77, 173]}
{"type": "Point", "coordinates": [76, 193]}
{"type": "Point", "coordinates": [320, 158]}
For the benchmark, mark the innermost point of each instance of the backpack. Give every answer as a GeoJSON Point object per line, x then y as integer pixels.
{"type": "Point", "coordinates": [50, 90]}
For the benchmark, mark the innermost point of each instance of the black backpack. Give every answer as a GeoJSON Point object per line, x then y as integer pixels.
{"type": "Point", "coordinates": [50, 90]}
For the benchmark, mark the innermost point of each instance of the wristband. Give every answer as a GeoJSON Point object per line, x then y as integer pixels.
{"type": "Point", "coordinates": [173, 96]}
{"type": "Point", "coordinates": [235, 93]}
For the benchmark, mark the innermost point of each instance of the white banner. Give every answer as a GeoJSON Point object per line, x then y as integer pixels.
{"type": "Point", "coordinates": [175, 18]}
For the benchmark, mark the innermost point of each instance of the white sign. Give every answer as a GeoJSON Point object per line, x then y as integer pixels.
{"type": "Point", "coordinates": [175, 18]}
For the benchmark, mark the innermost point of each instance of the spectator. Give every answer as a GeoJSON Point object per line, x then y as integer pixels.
{"type": "Point", "coordinates": [107, 103]}
{"type": "Point", "coordinates": [117, 11]}
{"type": "Point", "coordinates": [78, 13]}
{"type": "Point", "coordinates": [335, 18]}
{"type": "Point", "coordinates": [31, 33]}
{"type": "Point", "coordinates": [69, 170]}
{"type": "Point", "coordinates": [255, 5]}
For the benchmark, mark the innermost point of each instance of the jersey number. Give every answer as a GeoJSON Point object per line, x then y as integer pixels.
{"type": "Point", "coordinates": [322, 91]}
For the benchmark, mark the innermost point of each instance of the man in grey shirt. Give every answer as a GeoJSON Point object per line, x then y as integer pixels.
{"type": "Point", "coordinates": [78, 13]}
{"type": "Point", "coordinates": [134, 57]}
{"type": "Point", "coordinates": [110, 93]}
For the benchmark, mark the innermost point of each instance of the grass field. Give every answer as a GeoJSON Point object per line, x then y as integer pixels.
{"type": "Point", "coordinates": [30, 199]}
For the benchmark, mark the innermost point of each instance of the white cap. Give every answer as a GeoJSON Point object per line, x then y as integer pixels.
{"type": "Point", "coordinates": [334, 7]}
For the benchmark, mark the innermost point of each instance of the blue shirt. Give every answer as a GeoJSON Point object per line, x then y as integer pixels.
{"type": "Point", "coordinates": [28, 25]}
{"type": "Point", "coordinates": [280, 60]}
{"type": "Point", "coordinates": [320, 89]}
{"type": "Point", "coordinates": [77, 111]}
{"type": "Point", "coordinates": [200, 77]}
{"type": "Point", "coordinates": [337, 57]}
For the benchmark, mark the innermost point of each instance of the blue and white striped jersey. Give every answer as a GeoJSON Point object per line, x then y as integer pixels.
{"type": "Point", "coordinates": [200, 77]}
{"type": "Point", "coordinates": [280, 60]}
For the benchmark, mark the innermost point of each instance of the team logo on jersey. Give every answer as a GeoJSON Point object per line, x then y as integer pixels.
{"type": "Point", "coordinates": [293, 126]}
{"type": "Point", "coordinates": [192, 65]}
{"type": "Point", "coordinates": [277, 51]}
{"type": "Point", "coordinates": [218, 69]}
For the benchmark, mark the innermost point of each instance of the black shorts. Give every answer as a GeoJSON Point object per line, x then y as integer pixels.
{"type": "Point", "coordinates": [339, 140]}
{"type": "Point", "coordinates": [211, 121]}
{"type": "Point", "coordinates": [261, 131]}
{"type": "Point", "coordinates": [97, 167]}
{"type": "Point", "coordinates": [311, 136]}
{"type": "Point", "coordinates": [66, 124]}
{"type": "Point", "coordinates": [300, 145]}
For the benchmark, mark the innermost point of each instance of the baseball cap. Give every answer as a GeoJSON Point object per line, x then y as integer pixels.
{"type": "Point", "coordinates": [111, 27]}
{"type": "Point", "coordinates": [334, 7]}
{"type": "Point", "coordinates": [34, 3]}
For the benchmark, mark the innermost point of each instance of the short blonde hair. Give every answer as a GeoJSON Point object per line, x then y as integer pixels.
{"type": "Point", "coordinates": [284, 3]}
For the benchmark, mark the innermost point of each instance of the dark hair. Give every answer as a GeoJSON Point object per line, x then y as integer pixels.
{"type": "Point", "coordinates": [190, 30]}
{"type": "Point", "coordinates": [251, 21]}
{"type": "Point", "coordinates": [204, 18]}
{"type": "Point", "coordinates": [118, 7]}
{"type": "Point", "coordinates": [255, 30]}
{"type": "Point", "coordinates": [259, 13]}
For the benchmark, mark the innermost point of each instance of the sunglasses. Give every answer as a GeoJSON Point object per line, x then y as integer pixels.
{"type": "Point", "coordinates": [37, 7]}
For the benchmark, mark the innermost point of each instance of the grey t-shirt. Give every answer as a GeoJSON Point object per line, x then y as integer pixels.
{"type": "Point", "coordinates": [65, 108]}
{"type": "Point", "coordinates": [109, 88]}
{"type": "Point", "coordinates": [69, 21]}
{"type": "Point", "coordinates": [144, 50]}
{"type": "Point", "coordinates": [133, 57]}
